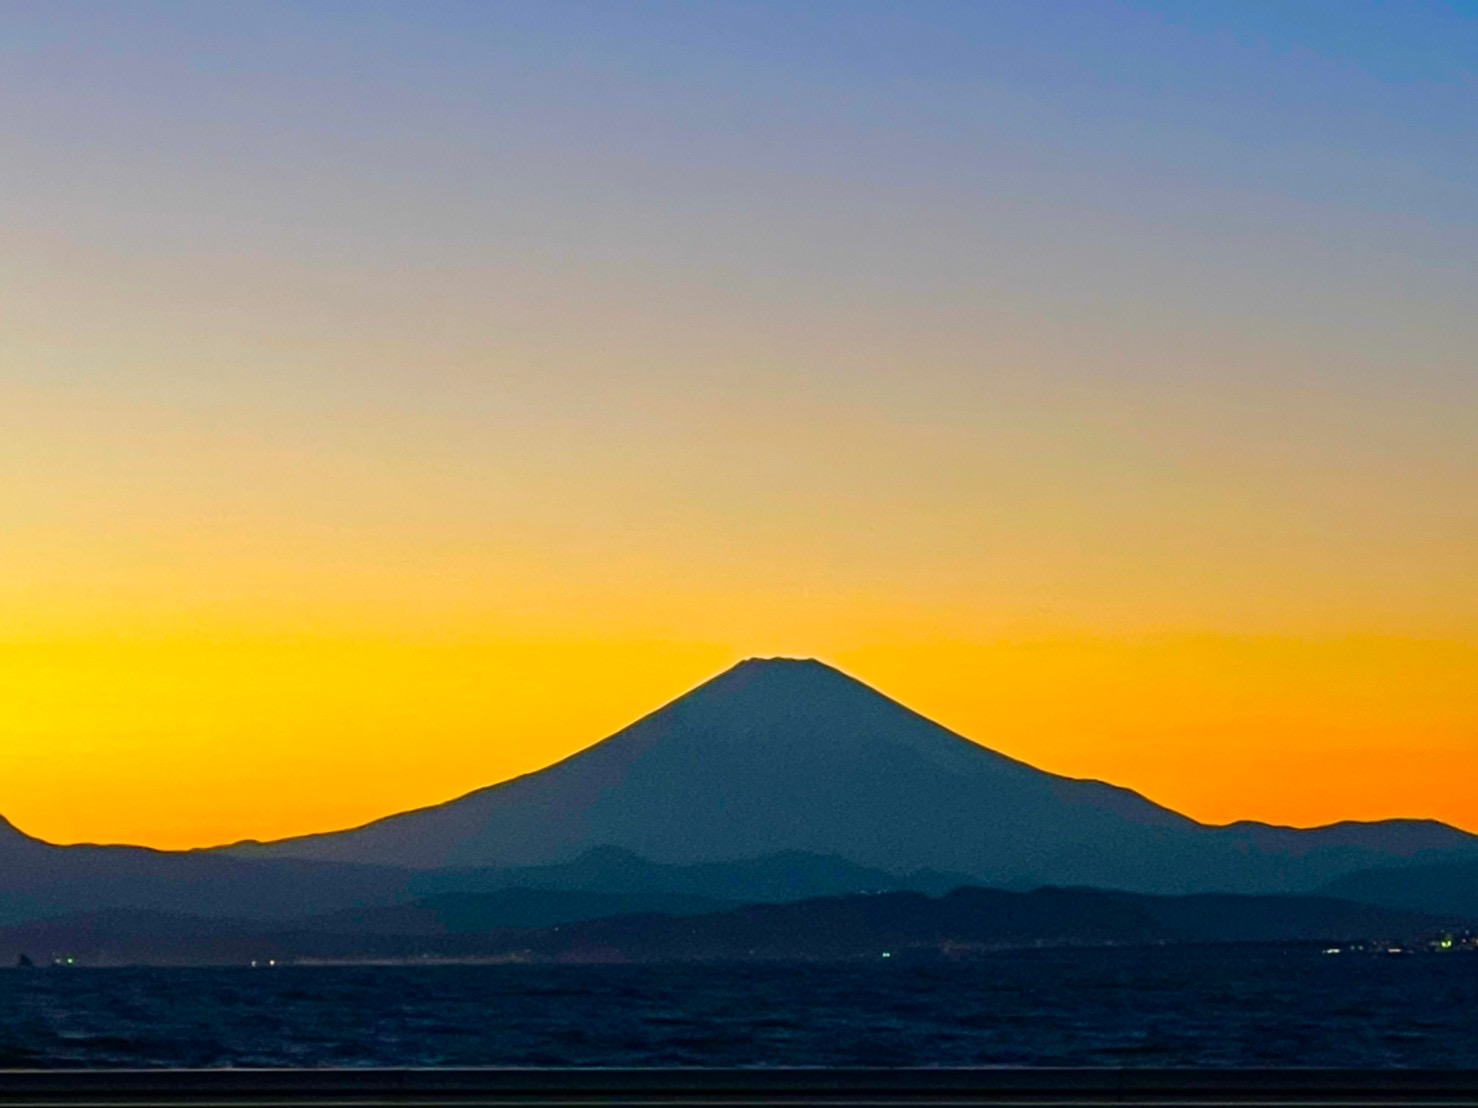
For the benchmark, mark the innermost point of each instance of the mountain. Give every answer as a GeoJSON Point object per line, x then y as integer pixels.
{"type": "Point", "coordinates": [39, 879]}
{"type": "Point", "coordinates": [1451, 887]}
{"type": "Point", "coordinates": [784, 755]}
{"type": "Point", "coordinates": [903, 924]}
{"type": "Point", "coordinates": [774, 878]}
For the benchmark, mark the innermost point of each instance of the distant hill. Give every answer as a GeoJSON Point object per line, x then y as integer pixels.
{"type": "Point", "coordinates": [39, 881]}
{"type": "Point", "coordinates": [514, 908]}
{"type": "Point", "coordinates": [902, 924]}
{"type": "Point", "coordinates": [791, 875]}
{"type": "Point", "coordinates": [777, 756]}
{"type": "Point", "coordinates": [1447, 888]}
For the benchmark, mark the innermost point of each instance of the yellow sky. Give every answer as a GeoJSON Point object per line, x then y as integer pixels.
{"type": "Point", "coordinates": [392, 405]}
{"type": "Point", "coordinates": [270, 612]}
{"type": "Point", "coordinates": [186, 742]}
{"type": "Point", "coordinates": [275, 611]}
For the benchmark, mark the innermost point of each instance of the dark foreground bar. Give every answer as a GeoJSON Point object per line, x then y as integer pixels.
{"type": "Point", "coordinates": [731, 1088]}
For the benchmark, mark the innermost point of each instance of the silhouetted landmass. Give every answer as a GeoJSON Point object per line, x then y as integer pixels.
{"type": "Point", "coordinates": [1450, 888]}
{"type": "Point", "coordinates": [776, 781]}
{"type": "Point", "coordinates": [790, 875]}
{"type": "Point", "coordinates": [978, 919]}
{"type": "Point", "coordinates": [39, 881]}
{"type": "Point", "coordinates": [479, 913]}
{"type": "Point", "coordinates": [781, 755]}
{"type": "Point", "coordinates": [900, 924]}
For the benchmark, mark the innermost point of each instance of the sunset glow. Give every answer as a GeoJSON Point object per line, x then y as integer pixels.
{"type": "Point", "coordinates": [395, 406]}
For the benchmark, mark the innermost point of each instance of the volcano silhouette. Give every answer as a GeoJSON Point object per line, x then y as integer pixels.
{"type": "Point", "coordinates": [792, 755]}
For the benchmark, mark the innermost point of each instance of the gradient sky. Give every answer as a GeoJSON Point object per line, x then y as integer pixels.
{"type": "Point", "coordinates": [395, 397]}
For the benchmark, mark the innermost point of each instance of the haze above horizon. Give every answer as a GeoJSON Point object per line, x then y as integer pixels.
{"type": "Point", "coordinates": [396, 398]}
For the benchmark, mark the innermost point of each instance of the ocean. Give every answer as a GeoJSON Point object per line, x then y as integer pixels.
{"type": "Point", "coordinates": [1163, 1007]}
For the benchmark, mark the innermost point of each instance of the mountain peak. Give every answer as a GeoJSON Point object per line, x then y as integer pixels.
{"type": "Point", "coordinates": [785, 687]}
{"type": "Point", "coordinates": [784, 663]}
{"type": "Point", "coordinates": [789, 670]}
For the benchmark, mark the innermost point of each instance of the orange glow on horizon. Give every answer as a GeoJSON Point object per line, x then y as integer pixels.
{"type": "Point", "coordinates": [177, 744]}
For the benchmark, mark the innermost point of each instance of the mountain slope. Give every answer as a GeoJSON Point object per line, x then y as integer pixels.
{"type": "Point", "coordinates": [784, 755]}
{"type": "Point", "coordinates": [39, 879]}
{"type": "Point", "coordinates": [1452, 887]}
{"type": "Point", "coordinates": [773, 878]}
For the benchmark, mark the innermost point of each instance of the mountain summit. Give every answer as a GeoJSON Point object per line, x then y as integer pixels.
{"type": "Point", "coordinates": [793, 755]}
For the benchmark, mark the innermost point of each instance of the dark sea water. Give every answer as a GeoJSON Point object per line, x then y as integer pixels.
{"type": "Point", "coordinates": [1187, 1007]}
